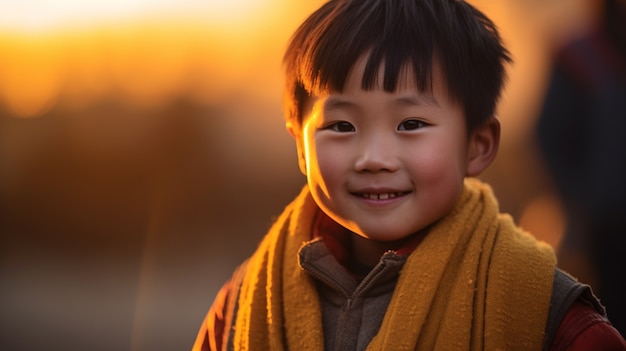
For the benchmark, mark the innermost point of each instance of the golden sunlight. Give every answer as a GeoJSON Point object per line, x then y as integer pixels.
{"type": "Point", "coordinates": [42, 15]}
{"type": "Point", "coordinates": [145, 52]}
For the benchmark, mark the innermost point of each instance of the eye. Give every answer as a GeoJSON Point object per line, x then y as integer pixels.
{"type": "Point", "coordinates": [411, 124]}
{"type": "Point", "coordinates": [341, 127]}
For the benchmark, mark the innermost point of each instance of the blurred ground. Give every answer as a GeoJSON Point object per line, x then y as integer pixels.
{"type": "Point", "coordinates": [141, 162]}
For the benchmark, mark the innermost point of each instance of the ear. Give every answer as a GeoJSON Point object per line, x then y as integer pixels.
{"type": "Point", "coordinates": [297, 136]}
{"type": "Point", "coordinates": [483, 147]}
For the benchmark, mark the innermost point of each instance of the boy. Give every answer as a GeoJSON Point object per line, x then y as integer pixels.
{"type": "Point", "coordinates": [392, 245]}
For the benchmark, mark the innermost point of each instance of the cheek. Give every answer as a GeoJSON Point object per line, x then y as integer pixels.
{"type": "Point", "coordinates": [325, 176]}
{"type": "Point", "coordinates": [330, 163]}
{"type": "Point", "coordinates": [324, 162]}
{"type": "Point", "coordinates": [441, 164]}
{"type": "Point", "coordinates": [439, 176]}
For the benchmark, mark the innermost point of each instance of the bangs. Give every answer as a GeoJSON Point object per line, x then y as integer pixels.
{"type": "Point", "coordinates": [382, 31]}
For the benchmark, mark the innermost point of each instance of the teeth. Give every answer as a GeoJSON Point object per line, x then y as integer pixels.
{"type": "Point", "coordinates": [384, 196]}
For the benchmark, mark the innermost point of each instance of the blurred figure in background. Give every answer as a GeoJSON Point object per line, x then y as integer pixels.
{"type": "Point", "coordinates": [581, 135]}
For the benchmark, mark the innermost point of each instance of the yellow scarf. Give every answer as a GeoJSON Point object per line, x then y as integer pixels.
{"type": "Point", "coordinates": [476, 282]}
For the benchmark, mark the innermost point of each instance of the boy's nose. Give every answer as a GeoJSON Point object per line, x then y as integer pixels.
{"type": "Point", "coordinates": [377, 154]}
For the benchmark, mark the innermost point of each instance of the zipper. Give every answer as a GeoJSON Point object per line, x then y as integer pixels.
{"type": "Point", "coordinates": [369, 278]}
{"type": "Point", "coordinates": [319, 275]}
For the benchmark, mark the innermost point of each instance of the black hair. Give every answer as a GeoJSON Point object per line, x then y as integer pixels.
{"type": "Point", "coordinates": [464, 41]}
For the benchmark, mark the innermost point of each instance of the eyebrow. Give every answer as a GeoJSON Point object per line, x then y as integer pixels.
{"type": "Point", "coordinates": [417, 100]}
{"type": "Point", "coordinates": [333, 103]}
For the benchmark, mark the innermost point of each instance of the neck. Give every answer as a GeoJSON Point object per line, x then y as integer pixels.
{"type": "Point", "coordinates": [368, 252]}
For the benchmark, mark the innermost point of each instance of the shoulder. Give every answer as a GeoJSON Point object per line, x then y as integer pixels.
{"type": "Point", "coordinates": [215, 328]}
{"type": "Point", "coordinates": [211, 331]}
{"type": "Point", "coordinates": [577, 320]}
{"type": "Point", "coordinates": [583, 328]}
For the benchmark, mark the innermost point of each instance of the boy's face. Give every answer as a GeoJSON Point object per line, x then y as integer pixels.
{"type": "Point", "coordinates": [387, 165]}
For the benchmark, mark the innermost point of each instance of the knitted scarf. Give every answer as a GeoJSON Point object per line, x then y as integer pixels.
{"type": "Point", "coordinates": [476, 282]}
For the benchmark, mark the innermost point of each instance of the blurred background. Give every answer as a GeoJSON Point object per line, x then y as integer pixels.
{"type": "Point", "coordinates": [143, 155]}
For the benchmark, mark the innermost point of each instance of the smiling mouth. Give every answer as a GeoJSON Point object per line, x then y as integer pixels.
{"type": "Point", "coordinates": [382, 196]}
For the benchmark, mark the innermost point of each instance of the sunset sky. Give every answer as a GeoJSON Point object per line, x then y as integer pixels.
{"type": "Point", "coordinates": [42, 15]}
{"type": "Point", "coordinates": [72, 52]}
